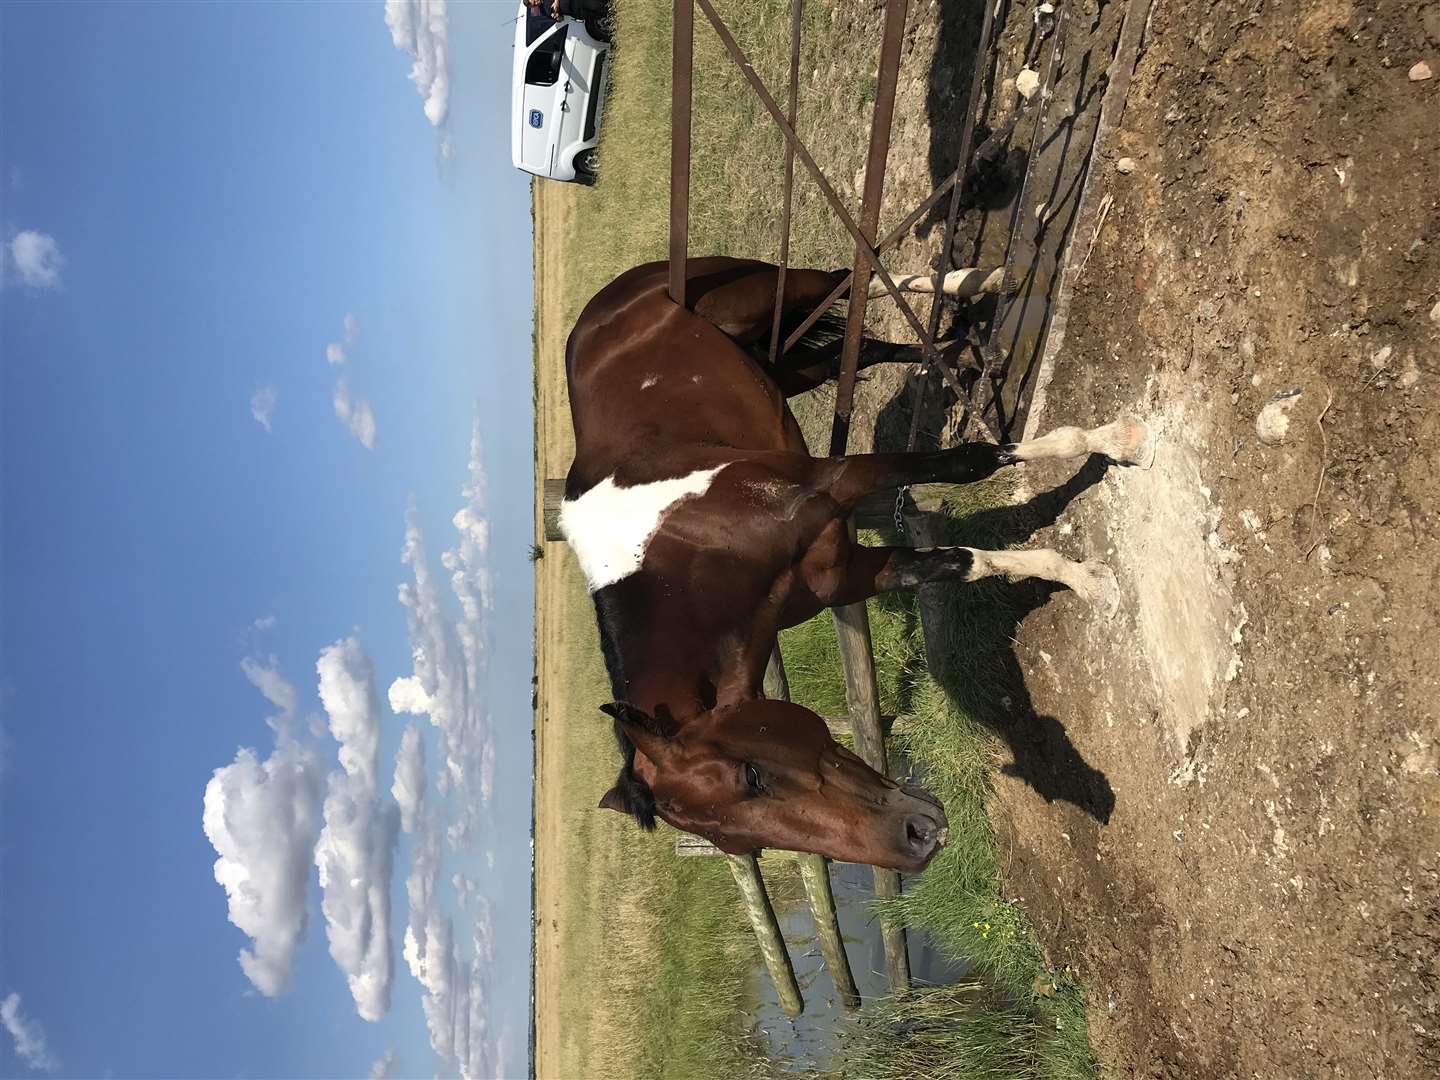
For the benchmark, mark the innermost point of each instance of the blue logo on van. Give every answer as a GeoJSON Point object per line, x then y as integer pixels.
{"type": "Point", "coordinates": [536, 118]}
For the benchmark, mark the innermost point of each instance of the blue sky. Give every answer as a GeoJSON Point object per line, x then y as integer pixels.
{"type": "Point", "coordinates": [265, 447]}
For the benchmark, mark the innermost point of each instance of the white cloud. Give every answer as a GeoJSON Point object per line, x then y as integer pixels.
{"type": "Point", "coordinates": [429, 939]}
{"type": "Point", "coordinates": [265, 622]}
{"type": "Point", "coordinates": [409, 785]}
{"type": "Point", "coordinates": [335, 352]}
{"type": "Point", "coordinates": [347, 691]}
{"type": "Point", "coordinates": [385, 1067]}
{"type": "Point", "coordinates": [262, 405]}
{"type": "Point", "coordinates": [475, 1051]}
{"type": "Point", "coordinates": [265, 676]}
{"type": "Point", "coordinates": [356, 846]}
{"type": "Point", "coordinates": [421, 29]}
{"type": "Point", "coordinates": [36, 258]}
{"type": "Point", "coordinates": [29, 1036]}
{"type": "Point", "coordinates": [351, 326]}
{"type": "Point", "coordinates": [355, 859]}
{"type": "Point", "coordinates": [262, 819]}
{"type": "Point", "coordinates": [408, 696]}
{"type": "Point", "coordinates": [355, 413]}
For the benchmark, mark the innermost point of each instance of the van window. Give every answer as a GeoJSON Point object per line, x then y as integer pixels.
{"type": "Point", "coordinates": [535, 25]}
{"type": "Point", "coordinates": [543, 67]}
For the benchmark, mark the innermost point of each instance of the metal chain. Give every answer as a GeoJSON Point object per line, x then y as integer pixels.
{"type": "Point", "coordinates": [899, 515]}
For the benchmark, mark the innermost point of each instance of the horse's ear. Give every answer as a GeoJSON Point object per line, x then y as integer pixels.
{"type": "Point", "coordinates": [652, 735]}
{"type": "Point", "coordinates": [616, 800]}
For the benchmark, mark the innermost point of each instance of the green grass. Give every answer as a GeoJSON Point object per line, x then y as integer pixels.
{"type": "Point", "coordinates": [1020, 1020]}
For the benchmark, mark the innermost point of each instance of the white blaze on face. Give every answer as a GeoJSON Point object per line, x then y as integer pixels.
{"type": "Point", "coordinates": [610, 527]}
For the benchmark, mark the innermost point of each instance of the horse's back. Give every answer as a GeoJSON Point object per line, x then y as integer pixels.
{"type": "Point", "coordinates": [654, 387]}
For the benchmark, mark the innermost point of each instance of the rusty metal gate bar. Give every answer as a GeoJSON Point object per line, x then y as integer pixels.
{"type": "Point", "coordinates": [682, 48]}
{"type": "Point", "coordinates": [796, 7]}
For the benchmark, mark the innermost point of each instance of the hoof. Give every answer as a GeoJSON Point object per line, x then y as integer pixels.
{"type": "Point", "coordinates": [1099, 587]}
{"type": "Point", "coordinates": [1134, 443]}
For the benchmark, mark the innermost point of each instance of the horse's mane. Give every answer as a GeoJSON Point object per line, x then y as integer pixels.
{"type": "Point", "coordinates": [638, 797]}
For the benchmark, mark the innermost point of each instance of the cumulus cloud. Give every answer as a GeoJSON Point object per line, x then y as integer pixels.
{"type": "Point", "coordinates": [29, 1036]}
{"type": "Point", "coordinates": [385, 1067]}
{"type": "Point", "coordinates": [475, 1050]}
{"type": "Point", "coordinates": [265, 622]}
{"type": "Point", "coordinates": [347, 691]}
{"type": "Point", "coordinates": [262, 405]}
{"type": "Point", "coordinates": [35, 258]}
{"type": "Point", "coordinates": [357, 414]}
{"type": "Point", "coordinates": [407, 695]}
{"type": "Point", "coordinates": [262, 819]}
{"type": "Point", "coordinates": [355, 850]}
{"type": "Point", "coordinates": [420, 28]}
{"type": "Point", "coordinates": [450, 653]}
{"type": "Point", "coordinates": [409, 785]}
{"type": "Point", "coordinates": [354, 856]}
{"type": "Point", "coordinates": [429, 947]}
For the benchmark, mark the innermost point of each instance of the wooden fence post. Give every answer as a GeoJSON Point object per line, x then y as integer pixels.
{"type": "Point", "coordinates": [767, 931]}
{"type": "Point", "coordinates": [815, 874]}
{"type": "Point", "coordinates": [852, 627]}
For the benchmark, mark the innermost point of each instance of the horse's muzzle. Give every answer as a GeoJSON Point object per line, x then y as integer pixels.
{"type": "Point", "coordinates": [923, 828]}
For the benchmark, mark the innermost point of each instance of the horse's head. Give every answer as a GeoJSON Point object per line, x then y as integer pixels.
{"type": "Point", "coordinates": [767, 774]}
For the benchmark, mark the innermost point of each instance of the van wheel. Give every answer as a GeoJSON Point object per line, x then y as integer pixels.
{"type": "Point", "coordinates": [599, 29]}
{"type": "Point", "coordinates": [585, 165]}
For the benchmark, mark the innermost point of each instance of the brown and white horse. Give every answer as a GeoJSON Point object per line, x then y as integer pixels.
{"type": "Point", "coordinates": [703, 526]}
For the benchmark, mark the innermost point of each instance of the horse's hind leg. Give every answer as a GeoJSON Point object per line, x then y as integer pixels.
{"type": "Point", "coordinates": [808, 367]}
{"type": "Point", "coordinates": [743, 305]}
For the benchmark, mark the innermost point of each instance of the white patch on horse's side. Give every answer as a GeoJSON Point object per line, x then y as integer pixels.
{"type": "Point", "coordinates": [609, 527]}
{"type": "Point", "coordinates": [650, 380]}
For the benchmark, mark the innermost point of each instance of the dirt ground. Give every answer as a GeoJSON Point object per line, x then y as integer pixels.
{"type": "Point", "coordinates": [1247, 875]}
{"type": "Point", "coordinates": [1230, 819]}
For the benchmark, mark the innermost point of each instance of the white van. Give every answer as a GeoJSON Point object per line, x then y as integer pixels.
{"type": "Point", "coordinates": [557, 88]}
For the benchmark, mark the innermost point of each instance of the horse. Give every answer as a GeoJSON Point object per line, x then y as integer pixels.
{"type": "Point", "coordinates": [704, 526]}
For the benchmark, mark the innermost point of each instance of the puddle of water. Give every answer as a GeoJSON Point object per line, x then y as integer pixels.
{"type": "Point", "coordinates": [811, 1038]}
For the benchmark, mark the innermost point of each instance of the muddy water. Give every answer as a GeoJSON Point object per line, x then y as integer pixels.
{"type": "Point", "coordinates": [809, 1039]}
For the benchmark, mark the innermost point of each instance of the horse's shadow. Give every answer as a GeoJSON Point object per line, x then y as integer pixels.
{"type": "Point", "coordinates": [972, 653]}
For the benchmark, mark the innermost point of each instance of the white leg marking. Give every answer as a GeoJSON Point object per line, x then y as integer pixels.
{"type": "Point", "coordinates": [610, 527]}
{"type": "Point", "coordinates": [1093, 580]}
{"type": "Point", "coordinates": [1126, 440]}
{"type": "Point", "coordinates": [966, 282]}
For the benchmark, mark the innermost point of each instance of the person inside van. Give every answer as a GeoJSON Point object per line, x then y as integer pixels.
{"type": "Point", "coordinates": [575, 9]}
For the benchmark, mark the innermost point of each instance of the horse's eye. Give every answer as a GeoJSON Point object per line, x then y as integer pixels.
{"type": "Point", "coordinates": [752, 777]}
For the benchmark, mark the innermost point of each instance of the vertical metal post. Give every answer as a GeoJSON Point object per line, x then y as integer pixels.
{"type": "Point", "coordinates": [869, 217]}
{"type": "Point", "coordinates": [681, 72]}
{"type": "Point", "coordinates": [767, 931]}
{"type": "Point", "coordinates": [815, 874]}
{"type": "Point", "coordinates": [796, 8]}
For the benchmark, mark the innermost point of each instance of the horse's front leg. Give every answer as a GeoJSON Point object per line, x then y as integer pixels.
{"type": "Point", "coordinates": [869, 571]}
{"type": "Point", "coordinates": [848, 479]}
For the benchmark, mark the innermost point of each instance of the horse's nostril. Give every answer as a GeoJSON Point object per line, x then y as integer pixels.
{"type": "Point", "coordinates": [919, 831]}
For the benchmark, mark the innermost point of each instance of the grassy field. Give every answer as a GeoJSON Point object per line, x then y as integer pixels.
{"type": "Point", "coordinates": [642, 957]}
